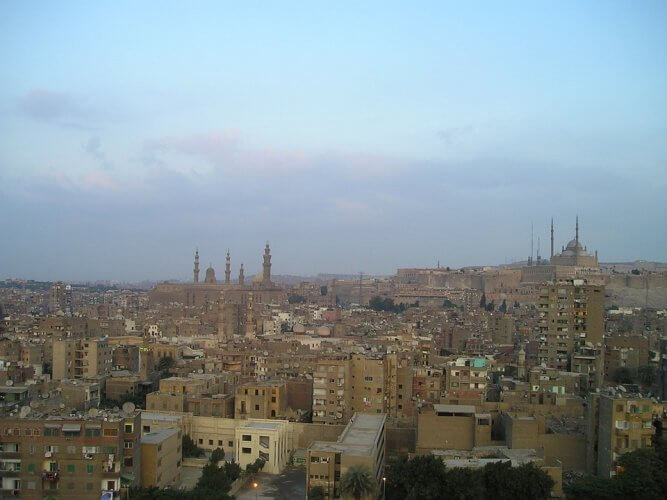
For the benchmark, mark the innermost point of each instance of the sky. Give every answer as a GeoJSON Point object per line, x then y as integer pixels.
{"type": "Point", "coordinates": [353, 136]}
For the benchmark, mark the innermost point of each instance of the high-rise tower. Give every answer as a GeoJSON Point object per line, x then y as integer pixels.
{"type": "Point", "coordinates": [228, 268]}
{"type": "Point", "coordinates": [266, 276]}
{"type": "Point", "coordinates": [196, 269]}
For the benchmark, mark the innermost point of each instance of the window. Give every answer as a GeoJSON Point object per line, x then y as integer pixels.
{"type": "Point", "coordinates": [128, 461]}
{"type": "Point", "coordinates": [53, 466]}
{"type": "Point", "coordinates": [147, 428]}
{"type": "Point", "coordinates": [70, 468]}
{"type": "Point", "coordinates": [219, 442]}
{"type": "Point", "coordinates": [109, 432]}
{"type": "Point", "coordinates": [90, 468]}
{"type": "Point", "coordinates": [273, 399]}
{"type": "Point", "coordinates": [210, 442]}
{"type": "Point", "coordinates": [201, 441]}
{"type": "Point", "coordinates": [109, 450]}
{"type": "Point", "coordinates": [246, 437]}
{"type": "Point", "coordinates": [31, 485]}
{"type": "Point", "coordinates": [231, 444]}
{"type": "Point", "coordinates": [256, 407]}
{"type": "Point", "coordinates": [51, 431]}
{"type": "Point", "coordinates": [246, 450]}
{"type": "Point", "coordinates": [71, 450]}
{"type": "Point", "coordinates": [128, 445]}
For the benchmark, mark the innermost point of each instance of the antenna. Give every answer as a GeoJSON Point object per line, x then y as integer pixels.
{"type": "Point", "coordinates": [531, 242]}
{"type": "Point", "coordinates": [361, 277]}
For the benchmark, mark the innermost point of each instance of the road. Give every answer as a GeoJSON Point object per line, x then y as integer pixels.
{"type": "Point", "coordinates": [290, 485]}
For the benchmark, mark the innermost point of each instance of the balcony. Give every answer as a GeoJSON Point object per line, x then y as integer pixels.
{"type": "Point", "coordinates": [50, 476]}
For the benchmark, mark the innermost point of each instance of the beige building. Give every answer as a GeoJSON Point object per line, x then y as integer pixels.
{"type": "Point", "coordinates": [466, 381]}
{"type": "Point", "coordinates": [362, 443]}
{"type": "Point", "coordinates": [81, 358]}
{"type": "Point", "coordinates": [261, 400]}
{"type": "Point", "coordinates": [265, 439]}
{"type": "Point", "coordinates": [571, 314]}
{"type": "Point", "coordinates": [618, 424]}
{"type": "Point", "coordinates": [69, 458]}
{"type": "Point", "coordinates": [161, 458]}
{"type": "Point", "coordinates": [332, 391]}
{"type": "Point", "coordinates": [455, 427]}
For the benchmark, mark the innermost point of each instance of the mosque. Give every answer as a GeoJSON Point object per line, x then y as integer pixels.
{"type": "Point", "coordinates": [573, 260]}
{"type": "Point", "coordinates": [239, 303]}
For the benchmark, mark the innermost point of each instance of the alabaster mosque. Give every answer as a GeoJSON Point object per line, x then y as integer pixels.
{"type": "Point", "coordinates": [239, 304]}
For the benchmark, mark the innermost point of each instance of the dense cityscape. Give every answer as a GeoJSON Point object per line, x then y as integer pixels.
{"type": "Point", "coordinates": [552, 363]}
{"type": "Point", "coordinates": [304, 250]}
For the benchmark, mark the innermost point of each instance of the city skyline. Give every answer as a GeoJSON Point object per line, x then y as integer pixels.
{"type": "Point", "coordinates": [355, 138]}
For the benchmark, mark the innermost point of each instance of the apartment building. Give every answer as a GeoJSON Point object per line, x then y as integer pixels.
{"type": "Point", "coordinates": [67, 457]}
{"type": "Point", "coordinates": [267, 399]}
{"type": "Point", "coordinates": [466, 381]}
{"type": "Point", "coordinates": [452, 427]}
{"type": "Point", "coordinates": [618, 423]}
{"type": "Point", "coordinates": [361, 443]}
{"type": "Point", "coordinates": [81, 358]}
{"type": "Point", "coordinates": [331, 391]}
{"type": "Point", "coordinates": [571, 314]}
{"type": "Point", "coordinates": [161, 458]}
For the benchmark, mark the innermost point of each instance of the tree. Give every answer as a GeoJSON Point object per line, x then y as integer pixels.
{"type": "Point", "coordinates": [482, 301]}
{"type": "Point", "coordinates": [419, 477]}
{"type": "Point", "coordinates": [255, 467]}
{"type": "Point", "coordinates": [503, 306]}
{"type": "Point", "coordinates": [490, 306]}
{"type": "Point", "coordinates": [295, 298]}
{"type": "Point", "coordinates": [217, 455]}
{"type": "Point", "coordinates": [357, 482]}
{"type": "Point", "coordinates": [622, 375]}
{"type": "Point", "coordinates": [190, 449]}
{"type": "Point", "coordinates": [165, 363]}
{"type": "Point", "coordinates": [636, 272]}
{"type": "Point", "coordinates": [316, 493]}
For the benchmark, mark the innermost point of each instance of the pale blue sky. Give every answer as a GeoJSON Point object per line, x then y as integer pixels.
{"type": "Point", "coordinates": [355, 136]}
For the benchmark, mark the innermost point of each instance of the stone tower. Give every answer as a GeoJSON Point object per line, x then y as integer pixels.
{"type": "Point", "coordinates": [266, 275]}
{"type": "Point", "coordinates": [521, 364]}
{"type": "Point", "coordinates": [241, 275]}
{"type": "Point", "coordinates": [196, 269]}
{"type": "Point", "coordinates": [228, 268]}
{"type": "Point", "coordinates": [250, 317]}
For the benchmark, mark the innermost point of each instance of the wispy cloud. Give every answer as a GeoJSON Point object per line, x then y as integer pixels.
{"type": "Point", "coordinates": [58, 108]}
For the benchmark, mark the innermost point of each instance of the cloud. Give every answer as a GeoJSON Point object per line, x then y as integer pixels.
{"type": "Point", "coordinates": [453, 134]}
{"type": "Point", "coordinates": [57, 108]}
{"type": "Point", "coordinates": [94, 148]}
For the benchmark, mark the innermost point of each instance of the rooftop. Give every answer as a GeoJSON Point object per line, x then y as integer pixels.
{"type": "Point", "coordinates": [358, 437]}
{"type": "Point", "coordinates": [156, 437]}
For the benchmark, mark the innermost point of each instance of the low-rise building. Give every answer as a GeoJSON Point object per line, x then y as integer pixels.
{"type": "Point", "coordinates": [161, 458]}
{"type": "Point", "coordinates": [265, 439]}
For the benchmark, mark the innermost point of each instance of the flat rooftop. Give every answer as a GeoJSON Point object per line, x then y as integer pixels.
{"type": "Point", "coordinates": [455, 409]}
{"type": "Point", "coordinates": [358, 437]}
{"type": "Point", "coordinates": [156, 437]}
{"type": "Point", "coordinates": [261, 425]}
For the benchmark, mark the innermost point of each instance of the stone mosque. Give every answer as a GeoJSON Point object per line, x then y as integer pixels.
{"type": "Point", "coordinates": [239, 303]}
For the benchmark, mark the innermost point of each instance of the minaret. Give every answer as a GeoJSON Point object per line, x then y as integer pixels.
{"type": "Point", "coordinates": [552, 237]}
{"type": "Point", "coordinates": [576, 232]}
{"type": "Point", "coordinates": [266, 277]}
{"type": "Point", "coordinates": [521, 364]}
{"type": "Point", "coordinates": [241, 275]}
{"type": "Point", "coordinates": [196, 269]}
{"type": "Point", "coordinates": [228, 268]}
{"type": "Point", "coordinates": [250, 318]}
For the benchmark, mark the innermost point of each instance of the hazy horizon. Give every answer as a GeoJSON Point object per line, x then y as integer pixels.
{"type": "Point", "coordinates": [352, 137]}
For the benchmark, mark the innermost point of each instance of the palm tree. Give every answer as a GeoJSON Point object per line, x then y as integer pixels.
{"type": "Point", "coordinates": [357, 482]}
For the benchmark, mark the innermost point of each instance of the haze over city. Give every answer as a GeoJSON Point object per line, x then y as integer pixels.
{"type": "Point", "coordinates": [352, 137]}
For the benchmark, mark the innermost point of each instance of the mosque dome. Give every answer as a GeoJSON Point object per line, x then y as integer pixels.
{"type": "Point", "coordinates": [210, 275]}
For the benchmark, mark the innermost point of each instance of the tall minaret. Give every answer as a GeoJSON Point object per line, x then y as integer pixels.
{"type": "Point", "coordinates": [196, 269]}
{"type": "Point", "coordinates": [552, 237]}
{"type": "Point", "coordinates": [266, 277]}
{"type": "Point", "coordinates": [241, 275]}
{"type": "Point", "coordinates": [228, 268]}
{"type": "Point", "coordinates": [576, 232]}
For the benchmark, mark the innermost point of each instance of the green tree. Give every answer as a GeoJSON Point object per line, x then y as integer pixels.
{"type": "Point", "coordinates": [503, 306]}
{"type": "Point", "coordinates": [190, 449]}
{"type": "Point", "coordinates": [217, 455]}
{"type": "Point", "coordinates": [316, 493]}
{"type": "Point", "coordinates": [420, 477]}
{"type": "Point", "coordinates": [463, 484]}
{"type": "Point", "coordinates": [525, 482]}
{"type": "Point", "coordinates": [357, 482]}
{"type": "Point", "coordinates": [482, 301]}
{"type": "Point", "coordinates": [165, 363]}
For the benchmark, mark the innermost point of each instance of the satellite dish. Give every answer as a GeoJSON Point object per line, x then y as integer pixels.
{"type": "Point", "coordinates": [10, 383]}
{"type": "Point", "coordinates": [200, 371]}
{"type": "Point", "coordinates": [128, 407]}
{"type": "Point", "coordinates": [93, 412]}
{"type": "Point", "coordinates": [62, 406]}
{"type": "Point", "coordinates": [25, 411]}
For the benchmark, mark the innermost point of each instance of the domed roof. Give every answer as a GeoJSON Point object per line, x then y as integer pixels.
{"type": "Point", "coordinates": [574, 245]}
